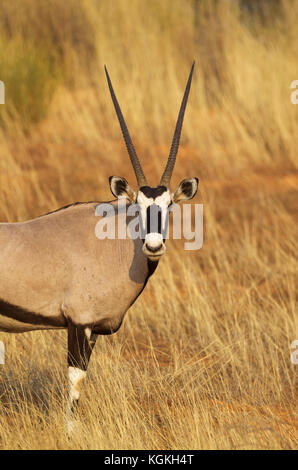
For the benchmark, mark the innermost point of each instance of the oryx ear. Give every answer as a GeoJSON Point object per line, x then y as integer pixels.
{"type": "Point", "coordinates": [187, 189]}
{"type": "Point", "coordinates": [120, 188]}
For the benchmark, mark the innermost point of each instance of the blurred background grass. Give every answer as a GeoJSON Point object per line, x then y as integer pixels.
{"type": "Point", "coordinates": [203, 358]}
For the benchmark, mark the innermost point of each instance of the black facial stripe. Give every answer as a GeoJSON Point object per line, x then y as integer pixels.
{"type": "Point", "coordinates": [25, 316]}
{"type": "Point", "coordinates": [148, 213]}
{"type": "Point", "coordinates": [153, 192]}
{"type": "Point", "coordinates": [153, 216]}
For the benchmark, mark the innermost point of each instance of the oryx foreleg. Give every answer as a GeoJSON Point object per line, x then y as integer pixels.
{"type": "Point", "coordinates": [81, 342]}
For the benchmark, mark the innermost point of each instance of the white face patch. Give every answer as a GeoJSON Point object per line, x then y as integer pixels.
{"type": "Point", "coordinates": [162, 201]}
{"type": "Point", "coordinates": [143, 200]}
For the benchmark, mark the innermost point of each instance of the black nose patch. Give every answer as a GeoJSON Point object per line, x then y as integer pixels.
{"type": "Point", "coordinates": [153, 249]}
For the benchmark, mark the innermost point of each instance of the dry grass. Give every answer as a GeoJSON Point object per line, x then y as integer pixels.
{"type": "Point", "coordinates": [203, 358]}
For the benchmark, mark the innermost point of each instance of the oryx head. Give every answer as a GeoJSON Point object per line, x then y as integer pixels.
{"type": "Point", "coordinates": [153, 202]}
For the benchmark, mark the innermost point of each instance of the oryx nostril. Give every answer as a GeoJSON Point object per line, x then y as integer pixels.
{"type": "Point", "coordinates": [154, 249]}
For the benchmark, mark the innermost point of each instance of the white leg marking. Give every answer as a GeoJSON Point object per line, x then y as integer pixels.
{"type": "Point", "coordinates": [75, 376]}
{"type": "Point", "coordinates": [88, 332]}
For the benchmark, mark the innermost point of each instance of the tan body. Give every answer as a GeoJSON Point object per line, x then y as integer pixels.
{"type": "Point", "coordinates": [56, 269]}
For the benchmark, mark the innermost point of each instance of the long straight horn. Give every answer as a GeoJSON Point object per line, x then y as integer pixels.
{"type": "Point", "coordinates": [129, 145]}
{"type": "Point", "coordinates": [166, 177]}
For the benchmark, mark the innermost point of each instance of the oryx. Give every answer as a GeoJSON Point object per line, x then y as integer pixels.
{"type": "Point", "coordinates": [55, 272]}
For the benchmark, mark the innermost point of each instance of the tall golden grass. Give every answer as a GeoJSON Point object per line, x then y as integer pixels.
{"type": "Point", "coordinates": [203, 358]}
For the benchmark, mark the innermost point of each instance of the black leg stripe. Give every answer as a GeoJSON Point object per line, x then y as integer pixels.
{"type": "Point", "coordinates": [25, 316]}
